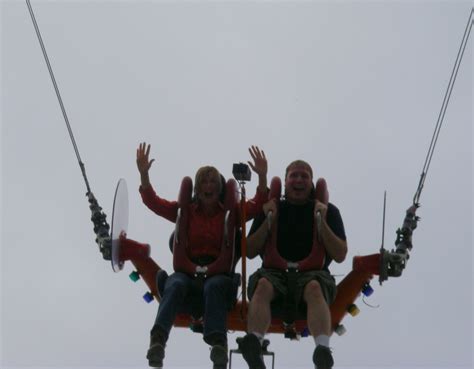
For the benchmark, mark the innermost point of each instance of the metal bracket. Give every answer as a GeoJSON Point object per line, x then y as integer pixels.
{"type": "Point", "coordinates": [265, 352]}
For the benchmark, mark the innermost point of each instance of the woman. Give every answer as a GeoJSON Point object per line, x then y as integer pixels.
{"type": "Point", "coordinates": [204, 235]}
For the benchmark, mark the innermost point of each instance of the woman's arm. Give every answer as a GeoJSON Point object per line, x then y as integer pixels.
{"type": "Point", "coordinates": [259, 166]}
{"type": "Point", "coordinates": [144, 164]}
{"type": "Point", "coordinates": [161, 207]}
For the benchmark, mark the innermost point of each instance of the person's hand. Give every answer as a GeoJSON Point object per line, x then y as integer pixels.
{"type": "Point", "coordinates": [322, 208]}
{"type": "Point", "coordinates": [143, 162]}
{"type": "Point", "coordinates": [270, 206]}
{"type": "Point", "coordinates": [259, 164]}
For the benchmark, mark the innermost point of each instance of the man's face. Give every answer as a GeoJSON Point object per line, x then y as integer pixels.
{"type": "Point", "coordinates": [209, 190]}
{"type": "Point", "coordinates": [298, 184]}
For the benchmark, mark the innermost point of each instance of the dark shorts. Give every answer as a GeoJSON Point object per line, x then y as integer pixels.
{"type": "Point", "coordinates": [278, 279]}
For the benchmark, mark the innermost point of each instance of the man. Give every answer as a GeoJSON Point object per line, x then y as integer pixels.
{"type": "Point", "coordinates": [315, 287]}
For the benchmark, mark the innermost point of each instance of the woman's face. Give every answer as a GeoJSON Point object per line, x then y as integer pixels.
{"type": "Point", "coordinates": [209, 190]}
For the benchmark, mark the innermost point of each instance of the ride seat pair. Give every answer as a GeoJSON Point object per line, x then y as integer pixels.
{"type": "Point", "coordinates": [292, 316]}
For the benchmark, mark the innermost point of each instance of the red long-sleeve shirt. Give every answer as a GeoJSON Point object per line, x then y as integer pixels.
{"type": "Point", "coordinates": [205, 232]}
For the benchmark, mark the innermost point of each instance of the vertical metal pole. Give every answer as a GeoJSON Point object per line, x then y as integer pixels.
{"type": "Point", "coordinates": [243, 245]}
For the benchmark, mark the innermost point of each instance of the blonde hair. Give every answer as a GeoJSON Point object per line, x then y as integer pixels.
{"type": "Point", "coordinates": [203, 172]}
{"type": "Point", "coordinates": [299, 163]}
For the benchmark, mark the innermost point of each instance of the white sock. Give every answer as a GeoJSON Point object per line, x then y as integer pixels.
{"type": "Point", "coordinates": [259, 336]}
{"type": "Point", "coordinates": [322, 340]}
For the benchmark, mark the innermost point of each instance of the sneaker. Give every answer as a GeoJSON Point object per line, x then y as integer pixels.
{"type": "Point", "coordinates": [322, 357]}
{"type": "Point", "coordinates": [219, 357]}
{"type": "Point", "coordinates": [252, 351]}
{"type": "Point", "coordinates": [156, 352]}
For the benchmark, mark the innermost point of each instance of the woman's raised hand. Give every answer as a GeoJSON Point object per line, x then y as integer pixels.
{"type": "Point", "coordinates": [259, 165]}
{"type": "Point", "coordinates": [143, 162]}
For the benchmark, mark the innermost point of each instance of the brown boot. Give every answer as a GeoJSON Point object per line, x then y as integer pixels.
{"type": "Point", "coordinates": [219, 357]}
{"type": "Point", "coordinates": [156, 352]}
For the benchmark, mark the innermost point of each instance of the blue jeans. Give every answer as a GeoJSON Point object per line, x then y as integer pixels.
{"type": "Point", "coordinates": [215, 298]}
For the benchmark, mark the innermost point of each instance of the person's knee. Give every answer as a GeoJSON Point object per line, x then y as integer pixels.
{"type": "Point", "coordinates": [218, 286]}
{"type": "Point", "coordinates": [264, 290]}
{"type": "Point", "coordinates": [176, 286]}
{"type": "Point", "coordinates": [218, 282]}
{"type": "Point", "coordinates": [313, 291]}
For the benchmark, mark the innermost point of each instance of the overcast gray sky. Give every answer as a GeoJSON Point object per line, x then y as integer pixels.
{"type": "Point", "coordinates": [353, 87]}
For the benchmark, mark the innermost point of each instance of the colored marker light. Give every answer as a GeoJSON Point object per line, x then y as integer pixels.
{"type": "Point", "coordinates": [340, 330]}
{"type": "Point", "coordinates": [353, 310]}
{"type": "Point", "coordinates": [134, 276]}
{"type": "Point", "coordinates": [148, 297]}
{"type": "Point", "coordinates": [367, 290]}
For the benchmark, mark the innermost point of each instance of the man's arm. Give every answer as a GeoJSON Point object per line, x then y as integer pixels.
{"type": "Point", "coordinates": [257, 238]}
{"type": "Point", "coordinates": [256, 241]}
{"type": "Point", "coordinates": [335, 246]}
